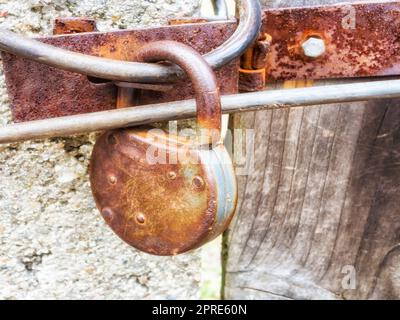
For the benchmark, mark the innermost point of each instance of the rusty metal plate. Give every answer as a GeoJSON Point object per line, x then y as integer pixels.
{"type": "Point", "coordinates": [361, 40]}
{"type": "Point", "coordinates": [38, 91]}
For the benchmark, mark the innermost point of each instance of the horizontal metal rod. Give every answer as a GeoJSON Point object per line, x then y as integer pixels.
{"type": "Point", "coordinates": [245, 34]}
{"type": "Point", "coordinates": [264, 100]}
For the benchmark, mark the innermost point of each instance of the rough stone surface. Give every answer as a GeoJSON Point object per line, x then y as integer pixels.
{"type": "Point", "coordinates": [53, 242]}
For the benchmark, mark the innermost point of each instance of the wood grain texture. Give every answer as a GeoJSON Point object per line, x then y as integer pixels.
{"type": "Point", "coordinates": [322, 199]}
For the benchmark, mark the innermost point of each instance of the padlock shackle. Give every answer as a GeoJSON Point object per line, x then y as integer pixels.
{"type": "Point", "coordinates": [207, 95]}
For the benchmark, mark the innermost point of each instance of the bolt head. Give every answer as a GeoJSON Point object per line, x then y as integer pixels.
{"type": "Point", "coordinates": [314, 47]}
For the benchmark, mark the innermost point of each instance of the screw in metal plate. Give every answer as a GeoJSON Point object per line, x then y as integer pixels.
{"type": "Point", "coordinates": [314, 47]}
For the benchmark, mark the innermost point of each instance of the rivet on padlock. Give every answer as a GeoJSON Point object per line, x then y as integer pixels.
{"type": "Point", "coordinates": [167, 208]}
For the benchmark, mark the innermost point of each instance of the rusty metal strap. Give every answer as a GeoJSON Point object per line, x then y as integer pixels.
{"type": "Point", "coordinates": [245, 34]}
{"type": "Point", "coordinates": [336, 41]}
{"type": "Point", "coordinates": [38, 91]}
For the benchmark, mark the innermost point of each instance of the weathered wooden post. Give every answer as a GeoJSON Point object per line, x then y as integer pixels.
{"type": "Point", "coordinates": [318, 215]}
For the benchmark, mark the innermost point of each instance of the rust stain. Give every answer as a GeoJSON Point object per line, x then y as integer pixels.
{"type": "Point", "coordinates": [251, 80]}
{"type": "Point", "coordinates": [74, 25]}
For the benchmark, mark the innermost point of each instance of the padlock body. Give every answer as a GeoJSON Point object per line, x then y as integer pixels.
{"type": "Point", "coordinates": [159, 192]}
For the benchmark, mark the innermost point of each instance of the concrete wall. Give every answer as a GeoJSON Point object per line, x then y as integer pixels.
{"type": "Point", "coordinates": [53, 241]}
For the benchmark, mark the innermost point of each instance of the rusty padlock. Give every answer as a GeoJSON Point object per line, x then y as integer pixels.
{"type": "Point", "coordinates": [172, 206]}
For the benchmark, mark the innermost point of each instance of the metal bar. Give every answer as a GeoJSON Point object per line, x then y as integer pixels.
{"type": "Point", "coordinates": [264, 100]}
{"type": "Point", "coordinates": [246, 33]}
